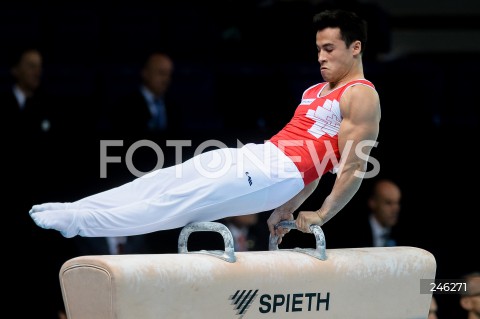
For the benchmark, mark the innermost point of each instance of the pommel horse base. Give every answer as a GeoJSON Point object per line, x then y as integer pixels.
{"type": "Point", "coordinates": [354, 283]}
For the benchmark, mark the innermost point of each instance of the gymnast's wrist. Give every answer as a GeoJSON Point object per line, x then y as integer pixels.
{"type": "Point", "coordinates": [320, 221]}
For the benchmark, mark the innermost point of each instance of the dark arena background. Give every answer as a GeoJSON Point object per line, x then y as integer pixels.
{"type": "Point", "coordinates": [240, 69]}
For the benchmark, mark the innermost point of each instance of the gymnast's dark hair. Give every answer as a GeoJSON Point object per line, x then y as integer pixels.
{"type": "Point", "coordinates": [352, 27]}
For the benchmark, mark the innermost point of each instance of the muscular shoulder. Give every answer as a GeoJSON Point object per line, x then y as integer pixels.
{"type": "Point", "coordinates": [361, 91]}
{"type": "Point", "coordinates": [360, 99]}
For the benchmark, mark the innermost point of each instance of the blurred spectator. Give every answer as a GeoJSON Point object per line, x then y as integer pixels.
{"type": "Point", "coordinates": [26, 108]}
{"type": "Point", "coordinates": [149, 109]}
{"type": "Point", "coordinates": [247, 233]}
{"type": "Point", "coordinates": [384, 205]}
{"type": "Point", "coordinates": [470, 300]}
{"type": "Point", "coordinates": [378, 227]}
{"type": "Point", "coordinates": [34, 126]}
{"type": "Point", "coordinates": [27, 115]}
{"type": "Point", "coordinates": [432, 312]}
{"type": "Point", "coordinates": [62, 314]}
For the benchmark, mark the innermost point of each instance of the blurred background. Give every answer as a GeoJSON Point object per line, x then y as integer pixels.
{"type": "Point", "coordinates": [240, 70]}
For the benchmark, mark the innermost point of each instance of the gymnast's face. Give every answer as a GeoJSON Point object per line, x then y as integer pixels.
{"type": "Point", "coordinates": [336, 60]}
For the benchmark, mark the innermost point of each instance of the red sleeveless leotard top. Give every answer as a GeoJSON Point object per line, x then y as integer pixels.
{"type": "Point", "coordinates": [310, 139]}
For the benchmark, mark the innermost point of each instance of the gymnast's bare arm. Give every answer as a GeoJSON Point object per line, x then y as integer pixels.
{"type": "Point", "coordinates": [360, 107]}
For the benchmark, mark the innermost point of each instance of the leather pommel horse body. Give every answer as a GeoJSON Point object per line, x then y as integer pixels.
{"type": "Point", "coordinates": [352, 283]}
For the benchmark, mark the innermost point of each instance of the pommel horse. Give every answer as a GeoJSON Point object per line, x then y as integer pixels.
{"type": "Point", "coordinates": [352, 283]}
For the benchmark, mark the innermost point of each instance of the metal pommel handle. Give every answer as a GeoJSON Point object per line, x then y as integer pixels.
{"type": "Point", "coordinates": [320, 250]}
{"type": "Point", "coordinates": [227, 255]}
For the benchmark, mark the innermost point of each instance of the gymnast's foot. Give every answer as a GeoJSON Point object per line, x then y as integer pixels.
{"type": "Point", "coordinates": [61, 220]}
{"type": "Point", "coordinates": [49, 206]}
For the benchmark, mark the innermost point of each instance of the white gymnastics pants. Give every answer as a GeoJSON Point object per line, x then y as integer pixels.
{"type": "Point", "coordinates": [212, 185]}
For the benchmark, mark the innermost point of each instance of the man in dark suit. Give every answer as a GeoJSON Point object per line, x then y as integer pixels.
{"type": "Point", "coordinates": [26, 109]}
{"type": "Point", "coordinates": [148, 110]}
{"type": "Point", "coordinates": [384, 206]}
{"type": "Point", "coordinates": [378, 226]}
{"type": "Point", "coordinates": [28, 122]}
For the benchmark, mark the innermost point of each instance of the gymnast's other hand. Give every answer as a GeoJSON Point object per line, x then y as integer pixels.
{"type": "Point", "coordinates": [277, 216]}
